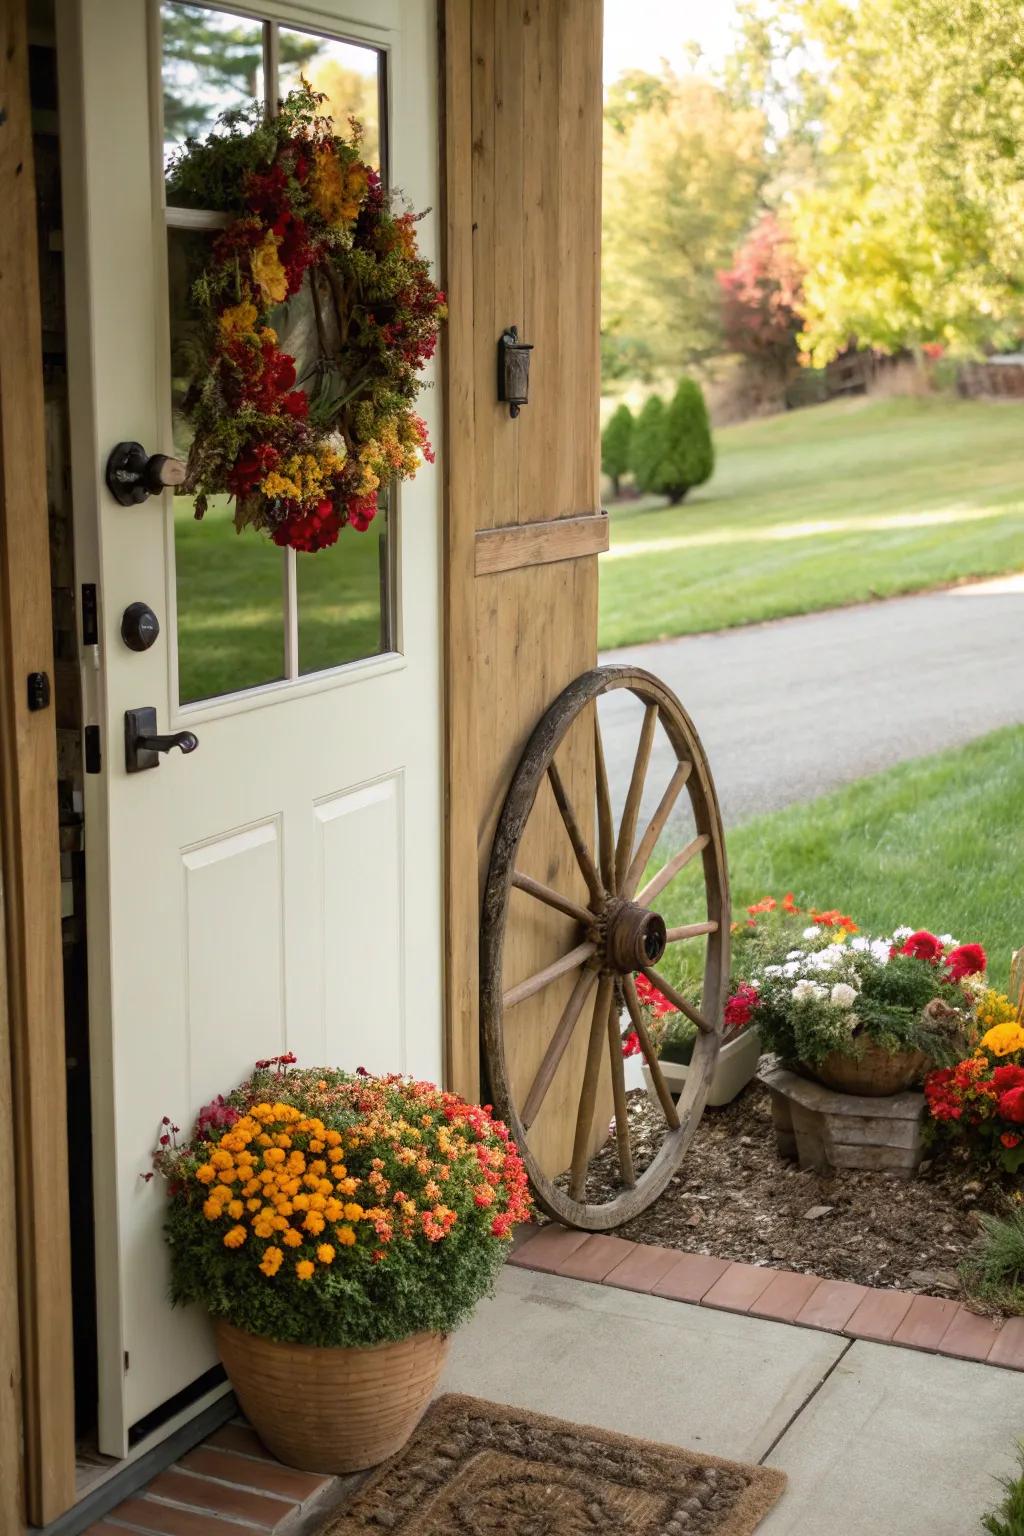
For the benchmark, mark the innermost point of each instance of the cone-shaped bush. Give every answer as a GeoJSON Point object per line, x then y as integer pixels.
{"type": "Point", "coordinates": [648, 446]}
{"type": "Point", "coordinates": [615, 445]}
{"type": "Point", "coordinates": [688, 458]}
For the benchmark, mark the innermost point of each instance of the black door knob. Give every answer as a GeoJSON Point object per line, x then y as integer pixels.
{"type": "Point", "coordinates": [139, 626]}
{"type": "Point", "coordinates": [133, 474]}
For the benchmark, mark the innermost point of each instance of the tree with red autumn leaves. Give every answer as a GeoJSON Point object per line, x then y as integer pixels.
{"type": "Point", "coordinates": [761, 297]}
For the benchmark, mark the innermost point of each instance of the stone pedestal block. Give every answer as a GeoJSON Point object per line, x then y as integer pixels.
{"type": "Point", "coordinates": [826, 1131]}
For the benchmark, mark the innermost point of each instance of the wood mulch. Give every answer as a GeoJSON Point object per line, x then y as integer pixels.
{"type": "Point", "coordinates": [736, 1199]}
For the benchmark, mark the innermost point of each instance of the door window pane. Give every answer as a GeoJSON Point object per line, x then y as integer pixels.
{"type": "Point", "coordinates": [343, 607]}
{"type": "Point", "coordinates": [230, 586]}
{"type": "Point", "coordinates": [348, 74]}
{"type": "Point", "coordinates": [212, 61]}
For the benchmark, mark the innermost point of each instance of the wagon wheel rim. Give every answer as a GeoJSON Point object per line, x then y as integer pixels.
{"type": "Point", "coordinates": [619, 934]}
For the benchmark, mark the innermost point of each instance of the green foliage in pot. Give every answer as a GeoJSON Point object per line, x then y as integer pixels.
{"type": "Point", "coordinates": [319, 1208]}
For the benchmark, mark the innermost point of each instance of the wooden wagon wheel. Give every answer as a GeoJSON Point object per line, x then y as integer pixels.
{"type": "Point", "coordinates": [619, 933]}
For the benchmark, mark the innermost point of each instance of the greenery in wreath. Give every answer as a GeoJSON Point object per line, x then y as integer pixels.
{"type": "Point", "coordinates": [302, 458]}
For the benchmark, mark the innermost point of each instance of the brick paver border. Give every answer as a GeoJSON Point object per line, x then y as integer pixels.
{"type": "Point", "coordinates": [927, 1323]}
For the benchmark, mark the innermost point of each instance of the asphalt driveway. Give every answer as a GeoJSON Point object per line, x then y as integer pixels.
{"type": "Point", "coordinates": [792, 709]}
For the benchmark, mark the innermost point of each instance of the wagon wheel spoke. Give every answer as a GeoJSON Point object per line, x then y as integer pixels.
{"type": "Point", "coordinates": [627, 827]}
{"type": "Point", "coordinates": [540, 979]}
{"type": "Point", "coordinates": [623, 1147]}
{"type": "Point", "coordinates": [661, 1088]}
{"type": "Point", "coordinates": [655, 827]}
{"type": "Point", "coordinates": [557, 1047]}
{"type": "Point", "coordinates": [588, 1093]}
{"type": "Point", "coordinates": [689, 931]}
{"type": "Point", "coordinates": [576, 837]}
{"type": "Point", "coordinates": [605, 823]}
{"type": "Point", "coordinates": [552, 898]}
{"type": "Point", "coordinates": [678, 1001]}
{"type": "Point", "coordinates": [654, 887]}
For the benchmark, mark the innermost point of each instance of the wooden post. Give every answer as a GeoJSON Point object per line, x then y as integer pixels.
{"type": "Point", "coordinates": [29, 852]}
{"type": "Point", "coordinates": [521, 104]}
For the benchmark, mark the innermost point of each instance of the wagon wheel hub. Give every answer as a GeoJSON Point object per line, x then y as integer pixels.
{"type": "Point", "coordinates": [634, 936]}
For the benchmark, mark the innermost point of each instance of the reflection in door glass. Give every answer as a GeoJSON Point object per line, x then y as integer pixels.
{"type": "Point", "coordinates": [343, 607]}
{"type": "Point", "coordinates": [230, 586]}
{"type": "Point", "coordinates": [211, 62]}
{"type": "Point", "coordinates": [348, 75]}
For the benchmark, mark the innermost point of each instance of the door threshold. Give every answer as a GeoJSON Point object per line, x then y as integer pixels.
{"type": "Point", "coordinates": [106, 1486]}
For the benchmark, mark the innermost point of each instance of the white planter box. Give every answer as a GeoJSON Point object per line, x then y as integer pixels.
{"type": "Point", "coordinates": [736, 1065]}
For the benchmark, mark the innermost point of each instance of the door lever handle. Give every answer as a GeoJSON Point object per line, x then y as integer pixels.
{"type": "Point", "coordinates": [186, 740]}
{"type": "Point", "coordinates": [143, 744]}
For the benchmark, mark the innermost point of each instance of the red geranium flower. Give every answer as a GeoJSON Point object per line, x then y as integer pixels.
{"type": "Point", "coordinates": [966, 960]}
{"type": "Point", "coordinates": [1010, 1140]}
{"type": "Point", "coordinates": [250, 470]}
{"type": "Point", "coordinates": [1008, 1077]}
{"type": "Point", "coordinates": [631, 1044]}
{"type": "Point", "coordinates": [362, 513]}
{"type": "Point", "coordinates": [651, 998]}
{"type": "Point", "coordinates": [1011, 1105]}
{"type": "Point", "coordinates": [740, 1008]}
{"type": "Point", "coordinates": [923, 946]}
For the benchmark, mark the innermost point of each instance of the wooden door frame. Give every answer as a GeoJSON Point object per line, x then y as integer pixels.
{"type": "Point", "coordinates": [35, 1268]}
{"type": "Point", "coordinates": [461, 812]}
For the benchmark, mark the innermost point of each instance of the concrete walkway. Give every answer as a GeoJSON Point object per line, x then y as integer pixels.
{"type": "Point", "coordinates": [877, 1441]}
{"type": "Point", "coordinates": [792, 709]}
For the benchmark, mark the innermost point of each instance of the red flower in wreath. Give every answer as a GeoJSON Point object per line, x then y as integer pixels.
{"type": "Point", "coordinates": [1010, 1140]}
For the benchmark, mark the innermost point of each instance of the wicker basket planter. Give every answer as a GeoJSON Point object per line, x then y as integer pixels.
{"type": "Point", "coordinates": [332, 1410]}
{"type": "Point", "coordinates": [875, 1073]}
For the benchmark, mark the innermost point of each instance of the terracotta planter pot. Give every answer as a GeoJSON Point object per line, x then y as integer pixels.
{"type": "Point", "coordinates": [875, 1073]}
{"type": "Point", "coordinates": [332, 1410]}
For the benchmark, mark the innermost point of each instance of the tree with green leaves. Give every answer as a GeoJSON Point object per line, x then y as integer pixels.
{"type": "Point", "coordinates": [616, 440]}
{"type": "Point", "coordinates": [648, 443]}
{"type": "Point", "coordinates": [912, 227]}
{"type": "Point", "coordinates": [683, 170]}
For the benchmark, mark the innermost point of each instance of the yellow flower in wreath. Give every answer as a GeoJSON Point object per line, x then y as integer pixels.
{"type": "Point", "coordinates": [238, 321]}
{"type": "Point", "coordinates": [268, 273]}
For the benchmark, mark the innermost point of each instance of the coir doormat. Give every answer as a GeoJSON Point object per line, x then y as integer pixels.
{"type": "Point", "coordinates": [476, 1469]}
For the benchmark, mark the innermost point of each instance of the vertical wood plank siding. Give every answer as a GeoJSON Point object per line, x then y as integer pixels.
{"type": "Point", "coordinates": [522, 109]}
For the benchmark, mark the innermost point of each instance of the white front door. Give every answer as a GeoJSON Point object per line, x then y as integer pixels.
{"type": "Point", "coordinates": [278, 888]}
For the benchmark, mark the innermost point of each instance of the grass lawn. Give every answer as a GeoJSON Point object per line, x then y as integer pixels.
{"type": "Point", "coordinates": [820, 507]}
{"type": "Point", "coordinates": [936, 842]}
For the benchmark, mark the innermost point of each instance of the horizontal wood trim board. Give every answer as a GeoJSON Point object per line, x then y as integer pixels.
{"type": "Point", "coordinates": [522, 544]}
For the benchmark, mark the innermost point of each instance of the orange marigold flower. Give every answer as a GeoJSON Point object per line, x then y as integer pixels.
{"type": "Point", "coordinates": [345, 1235]}
{"type": "Point", "coordinates": [205, 1173]}
{"type": "Point", "coordinates": [292, 1238]}
{"type": "Point", "coordinates": [325, 1253]}
{"type": "Point", "coordinates": [304, 1269]}
{"type": "Point", "coordinates": [235, 1237]}
{"type": "Point", "coordinates": [353, 1211]}
{"type": "Point", "coordinates": [272, 1260]}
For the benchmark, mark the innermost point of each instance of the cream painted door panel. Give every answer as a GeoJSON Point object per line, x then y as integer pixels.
{"type": "Point", "coordinates": [279, 888]}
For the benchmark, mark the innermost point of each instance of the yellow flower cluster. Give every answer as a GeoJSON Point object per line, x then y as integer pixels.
{"type": "Point", "coordinates": [1003, 1039]}
{"type": "Point", "coordinates": [305, 477]}
{"type": "Point", "coordinates": [267, 271]}
{"type": "Point", "coordinates": [336, 193]}
{"type": "Point", "coordinates": [994, 1008]}
{"type": "Point", "coordinates": [238, 321]}
{"type": "Point", "coordinates": [279, 1176]}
